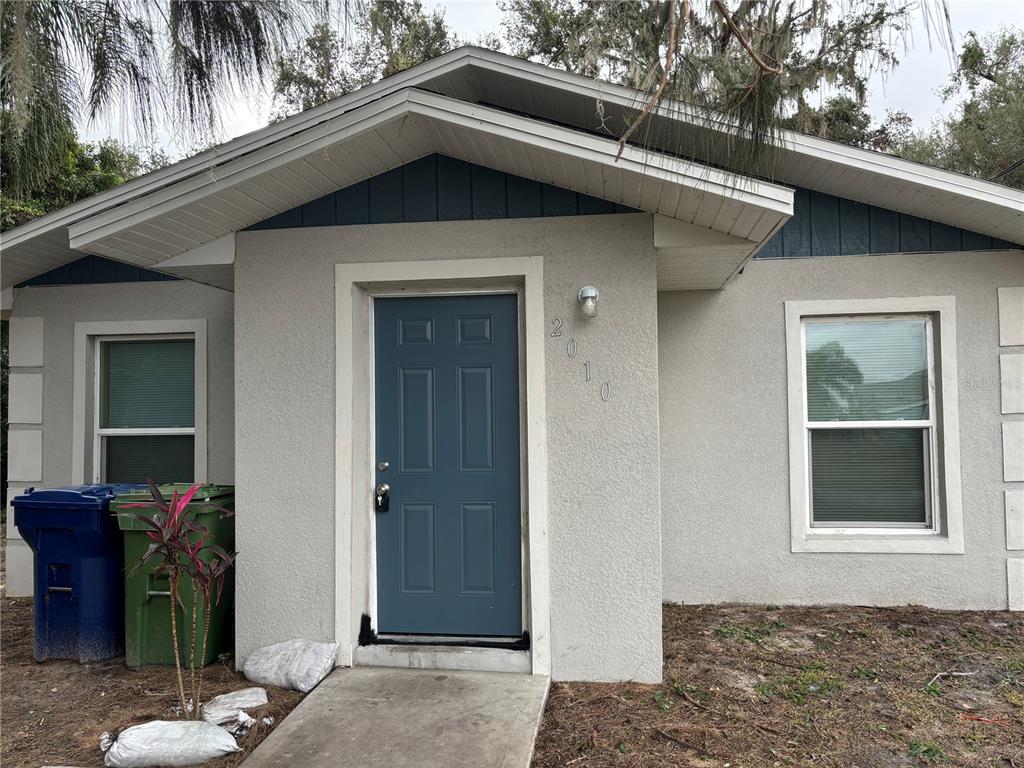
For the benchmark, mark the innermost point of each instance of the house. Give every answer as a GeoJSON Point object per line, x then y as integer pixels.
{"type": "Point", "coordinates": [490, 395]}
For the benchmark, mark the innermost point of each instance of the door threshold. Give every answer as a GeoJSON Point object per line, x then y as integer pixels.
{"type": "Point", "coordinates": [464, 640]}
{"type": "Point", "coordinates": [449, 657]}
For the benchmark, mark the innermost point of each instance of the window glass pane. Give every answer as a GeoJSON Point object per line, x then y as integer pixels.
{"type": "Point", "coordinates": [136, 459]}
{"type": "Point", "coordinates": [866, 370]}
{"type": "Point", "coordinates": [148, 384]}
{"type": "Point", "coordinates": [868, 476]}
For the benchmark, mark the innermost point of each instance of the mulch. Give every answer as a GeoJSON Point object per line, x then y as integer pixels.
{"type": "Point", "coordinates": [54, 712]}
{"type": "Point", "coordinates": [845, 687]}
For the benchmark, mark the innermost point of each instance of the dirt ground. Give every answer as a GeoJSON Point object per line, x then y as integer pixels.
{"type": "Point", "coordinates": [53, 713]}
{"type": "Point", "coordinates": [743, 686]}
{"type": "Point", "coordinates": [851, 687]}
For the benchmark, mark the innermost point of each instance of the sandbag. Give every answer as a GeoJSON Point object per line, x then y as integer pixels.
{"type": "Point", "coordinates": [166, 743]}
{"type": "Point", "coordinates": [224, 708]}
{"type": "Point", "coordinates": [295, 664]}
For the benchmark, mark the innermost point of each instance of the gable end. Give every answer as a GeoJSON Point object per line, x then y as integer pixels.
{"type": "Point", "coordinates": [439, 188]}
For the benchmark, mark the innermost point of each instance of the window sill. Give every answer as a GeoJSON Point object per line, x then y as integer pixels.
{"type": "Point", "coordinates": [886, 544]}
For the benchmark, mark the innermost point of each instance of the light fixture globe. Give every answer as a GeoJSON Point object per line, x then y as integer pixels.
{"type": "Point", "coordinates": [587, 298]}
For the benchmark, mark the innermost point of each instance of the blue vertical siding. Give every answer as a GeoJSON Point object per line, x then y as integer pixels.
{"type": "Point", "coordinates": [440, 188]}
{"type": "Point", "coordinates": [92, 270]}
{"type": "Point", "coordinates": [825, 225]}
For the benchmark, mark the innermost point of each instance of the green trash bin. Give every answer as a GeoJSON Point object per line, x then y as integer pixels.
{"type": "Point", "coordinates": [146, 611]}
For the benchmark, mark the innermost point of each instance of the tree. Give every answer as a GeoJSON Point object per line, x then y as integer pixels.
{"type": "Point", "coordinates": [984, 137]}
{"type": "Point", "coordinates": [149, 56]}
{"type": "Point", "coordinates": [752, 64]}
{"type": "Point", "coordinates": [83, 170]}
{"type": "Point", "coordinates": [848, 121]}
{"type": "Point", "coordinates": [312, 73]}
{"type": "Point", "coordinates": [390, 36]}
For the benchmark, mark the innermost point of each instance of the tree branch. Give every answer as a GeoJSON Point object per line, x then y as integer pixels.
{"type": "Point", "coordinates": [720, 7]}
{"type": "Point", "coordinates": [670, 55]}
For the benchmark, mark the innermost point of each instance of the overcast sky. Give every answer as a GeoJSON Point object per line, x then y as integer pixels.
{"type": "Point", "coordinates": [912, 87]}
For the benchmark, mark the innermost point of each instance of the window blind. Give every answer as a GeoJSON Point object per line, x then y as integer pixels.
{"type": "Point", "coordinates": [868, 476]}
{"type": "Point", "coordinates": [860, 370]}
{"type": "Point", "coordinates": [148, 384]}
{"type": "Point", "coordinates": [138, 458]}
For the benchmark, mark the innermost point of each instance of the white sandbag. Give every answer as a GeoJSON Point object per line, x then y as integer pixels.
{"type": "Point", "coordinates": [223, 708]}
{"type": "Point", "coordinates": [295, 664]}
{"type": "Point", "coordinates": [166, 743]}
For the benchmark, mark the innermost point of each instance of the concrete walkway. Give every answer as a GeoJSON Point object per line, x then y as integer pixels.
{"type": "Point", "coordinates": [367, 717]}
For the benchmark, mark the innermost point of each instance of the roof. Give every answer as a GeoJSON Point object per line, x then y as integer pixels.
{"type": "Point", "coordinates": [513, 115]}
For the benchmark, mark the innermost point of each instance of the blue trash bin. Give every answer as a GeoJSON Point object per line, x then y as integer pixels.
{"type": "Point", "coordinates": [79, 582]}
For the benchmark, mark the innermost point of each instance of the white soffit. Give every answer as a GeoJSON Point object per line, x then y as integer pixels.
{"type": "Point", "coordinates": [691, 258]}
{"type": "Point", "coordinates": [400, 128]}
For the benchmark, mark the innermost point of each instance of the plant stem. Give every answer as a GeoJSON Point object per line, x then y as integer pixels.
{"type": "Point", "coordinates": [206, 636]}
{"type": "Point", "coordinates": [174, 639]}
{"type": "Point", "coordinates": [192, 652]}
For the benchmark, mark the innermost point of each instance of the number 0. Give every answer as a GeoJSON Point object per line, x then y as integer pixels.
{"type": "Point", "coordinates": [571, 347]}
{"type": "Point", "coordinates": [606, 391]}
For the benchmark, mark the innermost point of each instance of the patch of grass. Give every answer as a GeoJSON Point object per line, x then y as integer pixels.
{"type": "Point", "coordinates": [865, 673]}
{"type": "Point", "coordinates": [662, 700]}
{"type": "Point", "coordinates": [933, 689]}
{"type": "Point", "coordinates": [928, 751]}
{"type": "Point", "coordinates": [752, 634]}
{"type": "Point", "coordinates": [972, 636]}
{"type": "Point", "coordinates": [694, 691]}
{"type": "Point", "coordinates": [622, 747]}
{"type": "Point", "coordinates": [812, 680]}
{"type": "Point", "coordinates": [1014, 698]}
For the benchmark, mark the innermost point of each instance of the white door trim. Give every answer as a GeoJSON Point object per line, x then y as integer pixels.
{"type": "Point", "coordinates": [355, 284]}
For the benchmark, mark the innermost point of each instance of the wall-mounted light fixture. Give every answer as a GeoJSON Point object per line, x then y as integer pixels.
{"type": "Point", "coordinates": [588, 300]}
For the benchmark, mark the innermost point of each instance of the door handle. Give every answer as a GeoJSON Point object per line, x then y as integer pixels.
{"type": "Point", "coordinates": [382, 498]}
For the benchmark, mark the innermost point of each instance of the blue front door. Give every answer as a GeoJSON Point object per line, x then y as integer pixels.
{"type": "Point", "coordinates": [447, 444]}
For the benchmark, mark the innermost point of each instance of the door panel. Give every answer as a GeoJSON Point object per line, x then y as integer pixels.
{"type": "Point", "coordinates": [447, 421]}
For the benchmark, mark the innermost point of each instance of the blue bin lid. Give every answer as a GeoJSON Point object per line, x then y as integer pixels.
{"type": "Point", "coordinates": [74, 496]}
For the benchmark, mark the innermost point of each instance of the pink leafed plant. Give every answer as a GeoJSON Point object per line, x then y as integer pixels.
{"type": "Point", "coordinates": [179, 546]}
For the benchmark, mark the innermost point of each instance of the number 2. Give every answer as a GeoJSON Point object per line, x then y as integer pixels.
{"type": "Point", "coordinates": [557, 329]}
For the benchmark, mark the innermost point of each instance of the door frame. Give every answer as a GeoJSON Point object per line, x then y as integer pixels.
{"type": "Point", "coordinates": [356, 286]}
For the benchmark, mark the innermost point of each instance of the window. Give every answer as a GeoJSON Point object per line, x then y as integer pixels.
{"type": "Point", "coordinates": [146, 409]}
{"type": "Point", "coordinates": [872, 392]}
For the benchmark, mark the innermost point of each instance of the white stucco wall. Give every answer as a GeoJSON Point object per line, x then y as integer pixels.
{"type": "Point", "coordinates": [57, 309]}
{"type": "Point", "coordinates": [603, 512]}
{"type": "Point", "coordinates": [724, 437]}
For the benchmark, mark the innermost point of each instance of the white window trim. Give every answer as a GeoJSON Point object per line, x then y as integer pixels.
{"type": "Point", "coordinates": [85, 410]}
{"type": "Point", "coordinates": [945, 534]}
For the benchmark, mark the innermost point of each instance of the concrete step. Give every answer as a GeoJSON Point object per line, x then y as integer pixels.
{"type": "Point", "coordinates": [369, 717]}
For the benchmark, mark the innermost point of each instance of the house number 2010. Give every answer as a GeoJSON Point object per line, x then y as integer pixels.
{"type": "Point", "coordinates": [572, 350]}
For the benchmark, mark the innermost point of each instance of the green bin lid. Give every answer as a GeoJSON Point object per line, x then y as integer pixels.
{"type": "Point", "coordinates": [207, 492]}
